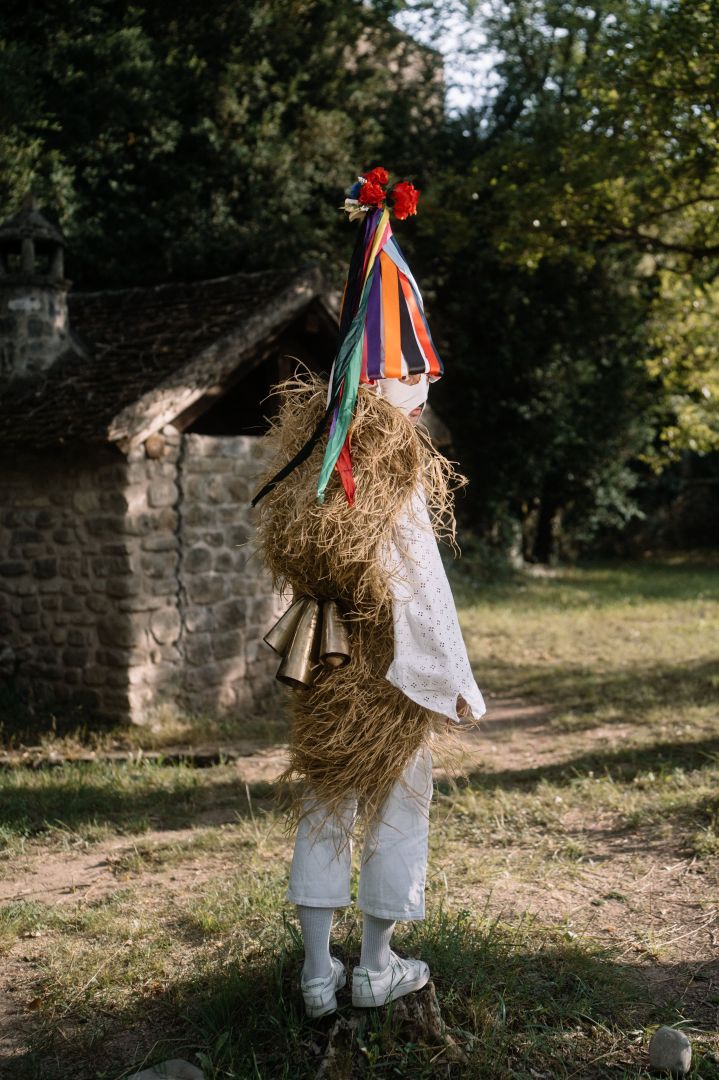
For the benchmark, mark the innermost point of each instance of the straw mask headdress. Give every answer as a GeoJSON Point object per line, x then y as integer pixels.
{"type": "Point", "coordinates": [383, 330]}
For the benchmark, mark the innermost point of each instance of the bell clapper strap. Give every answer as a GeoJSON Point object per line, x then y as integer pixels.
{"type": "Point", "coordinates": [309, 634]}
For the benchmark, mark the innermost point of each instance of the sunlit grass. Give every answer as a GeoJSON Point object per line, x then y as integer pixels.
{"type": "Point", "coordinates": [195, 949]}
{"type": "Point", "coordinates": [618, 642]}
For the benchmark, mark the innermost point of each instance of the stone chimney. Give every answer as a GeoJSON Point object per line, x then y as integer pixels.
{"type": "Point", "coordinates": [33, 294]}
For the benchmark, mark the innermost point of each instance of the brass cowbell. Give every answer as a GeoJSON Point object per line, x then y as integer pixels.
{"type": "Point", "coordinates": [310, 633]}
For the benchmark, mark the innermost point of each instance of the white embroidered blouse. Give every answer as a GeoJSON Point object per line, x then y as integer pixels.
{"type": "Point", "coordinates": [430, 662]}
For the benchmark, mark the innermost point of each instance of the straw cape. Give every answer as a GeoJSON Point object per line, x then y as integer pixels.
{"type": "Point", "coordinates": [353, 732]}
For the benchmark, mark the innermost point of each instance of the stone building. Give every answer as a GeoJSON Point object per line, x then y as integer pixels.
{"type": "Point", "coordinates": [129, 451]}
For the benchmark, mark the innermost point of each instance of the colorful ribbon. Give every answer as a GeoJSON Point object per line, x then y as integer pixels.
{"type": "Point", "coordinates": [386, 336]}
{"type": "Point", "coordinates": [383, 335]}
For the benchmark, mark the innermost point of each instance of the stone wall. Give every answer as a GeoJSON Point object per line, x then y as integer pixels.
{"type": "Point", "coordinates": [88, 577]}
{"type": "Point", "coordinates": [33, 326]}
{"type": "Point", "coordinates": [226, 597]}
{"type": "Point", "coordinates": [128, 582]}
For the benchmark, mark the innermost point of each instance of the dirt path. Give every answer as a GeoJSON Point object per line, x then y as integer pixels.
{"type": "Point", "coordinates": [630, 890]}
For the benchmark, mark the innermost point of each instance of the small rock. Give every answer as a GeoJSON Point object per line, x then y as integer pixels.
{"type": "Point", "coordinates": [670, 1051]}
{"type": "Point", "coordinates": [174, 1069]}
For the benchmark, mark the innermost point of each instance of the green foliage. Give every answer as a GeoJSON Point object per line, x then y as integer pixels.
{"type": "Point", "coordinates": [184, 140]}
{"type": "Point", "coordinates": [605, 123]}
{"type": "Point", "coordinates": [577, 243]}
{"type": "Point", "coordinates": [685, 362]}
{"type": "Point", "coordinates": [568, 244]}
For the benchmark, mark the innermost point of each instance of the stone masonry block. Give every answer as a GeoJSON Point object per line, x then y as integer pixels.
{"type": "Point", "coordinates": [64, 536]}
{"type": "Point", "coordinates": [13, 568]}
{"type": "Point", "coordinates": [199, 619]}
{"type": "Point", "coordinates": [141, 675]}
{"type": "Point", "coordinates": [95, 675]}
{"type": "Point", "coordinates": [228, 644]}
{"type": "Point", "coordinates": [86, 502]}
{"type": "Point", "coordinates": [165, 625]}
{"type": "Point", "coordinates": [119, 630]}
{"type": "Point", "coordinates": [224, 562]}
{"type": "Point", "coordinates": [162, 492]}
{"type": "Point", "coordinates": [114, 502]}
{"type": "Point", "coordinates": [197, 560]}
{"type": "Point", "coordinates": [231, 615]}
{"type": "Point", "coordinates": [32, 551]}
{"type": "Point", "coordinates": [106, 565]}
{"type": "Point", "coordinates": [201, 677]}
{"type": "Point", "coordinates": [160, 542]}
{"type": "Point", "coordinates": [142, 602]}
{"type": "Point", "coordinates": [198, 649]}
{"type": "Point", "coordinates": [214, 539]}
{"type": "Point", "coordinates": [207, 589]}
{"type": "Point", "coordinates": [74, 657]}
{"type": "Point", "coordinates": [117, 548]}
{"type": "Point", "coordinates": [106, 525]}
{"type": "Point", "coordinates": [121, 586]}
{"type": "Point", "coordinates": [166, 586]}
{"type": "Point", "coordinates": [238, 489]}
{"type": "Point", "coordinates": [215, 465]}
{"type": "Point", "coordinates": [157, 564]}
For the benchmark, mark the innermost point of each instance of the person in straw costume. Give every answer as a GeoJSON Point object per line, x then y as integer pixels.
{"type": "Point", "coordinates": [371, 642]}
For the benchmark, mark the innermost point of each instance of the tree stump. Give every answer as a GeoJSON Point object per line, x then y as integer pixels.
{"type": "Point", "coordinates": [415, 1019]}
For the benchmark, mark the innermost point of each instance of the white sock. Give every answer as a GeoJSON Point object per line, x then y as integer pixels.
{"type": "Point", "coordinates": [376, 935]}
{"type": "Point", "coordinates": [316, 923]}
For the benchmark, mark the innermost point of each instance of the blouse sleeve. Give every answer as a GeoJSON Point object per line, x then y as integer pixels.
{"type": "Point", "coordinates": [430, 662]}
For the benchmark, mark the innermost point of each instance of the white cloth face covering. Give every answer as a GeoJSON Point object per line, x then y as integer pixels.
{"type": "Point", "coordinates": [403, 395]}
{"type": "Point", "coordinates": [430, 662]}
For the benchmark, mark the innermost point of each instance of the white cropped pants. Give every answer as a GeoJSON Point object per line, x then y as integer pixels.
{"type": "Point", "coordinates": [393, 868]}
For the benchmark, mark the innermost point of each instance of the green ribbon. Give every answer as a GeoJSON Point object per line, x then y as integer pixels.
{"type": "Point", "coordinates": [349, 359]}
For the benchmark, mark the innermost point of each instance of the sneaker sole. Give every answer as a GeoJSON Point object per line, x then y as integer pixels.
{"type": "Point", "coordinates": [401, 990]}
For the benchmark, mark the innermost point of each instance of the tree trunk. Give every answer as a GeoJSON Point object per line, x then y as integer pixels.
{"type": "Point", "coordinates": [545, 536]}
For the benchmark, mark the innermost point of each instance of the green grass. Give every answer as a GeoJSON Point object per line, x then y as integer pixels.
{"type": "Point", "coordinates": [217, 979]}
{"type": "Point", "coordinates": [83, 804]}
{"type": "Point", "coordinates": [171, 964]}
{"type": "Point", "coordinates": [602, 644]}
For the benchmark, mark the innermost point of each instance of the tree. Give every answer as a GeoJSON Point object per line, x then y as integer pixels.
{"type": "Point", "coordinates": [179, 139]}
{"type": "Point", "coordinates": [573, 222]}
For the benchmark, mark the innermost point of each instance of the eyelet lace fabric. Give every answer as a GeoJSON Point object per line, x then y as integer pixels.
{"type": "Point", "coordinates": [430, 662]}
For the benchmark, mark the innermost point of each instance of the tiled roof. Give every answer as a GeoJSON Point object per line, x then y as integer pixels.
{"type": "Point", "coordinates": [132, 343]}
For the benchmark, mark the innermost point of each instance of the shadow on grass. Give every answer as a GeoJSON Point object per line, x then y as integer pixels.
{"type": "Point", "coordinates": [628, 691]}
{"type": "Point", "coordinates": [599, 584]}
{"type": "Point", "coordinates": [522, 1000]}
{"type": "Point", "coordinates": [126, 798]}
{"type": "Point", "coordinates": [135, 798]}
{"type": "Point", "coordinates": [622, 763]}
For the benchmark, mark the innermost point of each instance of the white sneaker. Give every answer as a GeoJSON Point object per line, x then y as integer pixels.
{"type": "Point", "coordinates": [400, 977]}
{"type": "Point", "coordinates": [321, 994]}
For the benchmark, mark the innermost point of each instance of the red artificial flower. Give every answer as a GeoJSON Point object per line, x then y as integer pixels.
{"type": "Point", "coordinates": [404, 199]}
{"type": "Point", "coordinates": [371, 194]}
{"type": "Point", "coordinates": [377, 176]}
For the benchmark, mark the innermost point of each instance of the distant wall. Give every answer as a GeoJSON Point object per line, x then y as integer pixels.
{"type": "Point", "coordinates": [226, 598]}
{"type": "Point", "coordinates": [123, 584]}
{"type": "Point", "coordinates": [88, 577]}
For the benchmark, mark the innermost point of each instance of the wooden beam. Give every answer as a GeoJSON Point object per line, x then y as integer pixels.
{"type": "Point", "coordinates": [213, 365]}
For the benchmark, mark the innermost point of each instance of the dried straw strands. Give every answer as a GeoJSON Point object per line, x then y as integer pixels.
{"type": "Point", "coordinates": [352, 731]}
